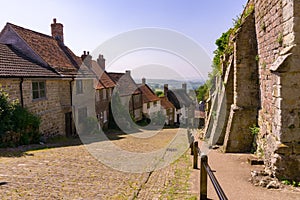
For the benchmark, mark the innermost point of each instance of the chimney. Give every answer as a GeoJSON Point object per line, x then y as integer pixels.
{"type": "Point", "coordinates": [87, 59]}
{"type": "Point", "coordinates": [101, 61]}
{"type": "Point", "coordinates": [127, 72]}
{"type": "Point", "coordinates": [166, 89]}
{"type": "Point", "coordinates": [184, 86]}
{"type": "Point", "coordinates": [57, 31]}
{"type": "Point", "coordinates": [143, 81]}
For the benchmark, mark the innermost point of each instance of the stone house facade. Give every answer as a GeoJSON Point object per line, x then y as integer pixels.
{"type": "Point", "coordinates": [168, 110]}
{"type": "Point", "coordinates": [184, 113]}
{"type": "Point", "coordinates": [104, 87]}
{"type": "Point", "coordinates": [47, 89]}
{"type": "Point", "coordinates": [151, 102]}
{"type": "Point", "coordinates": [260, 87]}
{"type": "Point", "coordinates": [129, 93]}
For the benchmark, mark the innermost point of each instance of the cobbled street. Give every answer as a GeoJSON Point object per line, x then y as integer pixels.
{"type": "Point", "coordinates": [71, 172]}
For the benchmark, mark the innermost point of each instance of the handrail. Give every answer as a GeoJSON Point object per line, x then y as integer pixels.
{"type": "Point", "coordinates": [204, 171]}
{"type": "Point", "coordinates": [214, 181]}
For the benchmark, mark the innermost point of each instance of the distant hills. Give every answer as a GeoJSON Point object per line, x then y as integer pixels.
{"type": "Point", "coordinates": [173, 84]}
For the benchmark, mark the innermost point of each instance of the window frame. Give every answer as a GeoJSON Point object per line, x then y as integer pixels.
{"type": "Point", "coordinates": [79, 86]}
{"type": "Point", "coordinates": [38, 90]}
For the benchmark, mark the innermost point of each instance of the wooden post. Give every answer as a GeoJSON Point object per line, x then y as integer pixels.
{"type": "Point", "coordinates": [191, 145]}
{"type": "Point", "coordinates": [195, 155]}
{"type": "Point", "coordinates": [203, 178]}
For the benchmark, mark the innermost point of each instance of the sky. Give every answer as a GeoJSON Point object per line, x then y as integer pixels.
{"type": "Point", "coordinates": [89, 24]}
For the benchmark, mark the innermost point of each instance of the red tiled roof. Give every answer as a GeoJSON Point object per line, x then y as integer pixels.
{"type": "Point", "coordinates": [165, 103]}
{"type": "Point", "coordinates": [15, 64]}
{"type": "Point", "coordinates": [53, 52]}
{"type": "Point", "coordinates": [104, 79]}
{"type": "Point", "coordinates": [125, 83]}
{"type": "Point", "coordinates": [148, 94]}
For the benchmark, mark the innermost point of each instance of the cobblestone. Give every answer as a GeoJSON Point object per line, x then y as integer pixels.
{"type": "Point", "coordinates": [73, 173]}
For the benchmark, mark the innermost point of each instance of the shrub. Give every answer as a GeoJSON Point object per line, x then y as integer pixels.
{"type": "Point", "coordinates": [17, 125]}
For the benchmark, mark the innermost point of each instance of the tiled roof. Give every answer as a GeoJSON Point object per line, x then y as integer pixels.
{"type": "Point", "coordinates": [125, 84]}
{"type": "Point", "coordinates": [15, 64]}
{"type": "Point", "coordinates": [148, 94]}
{"type": "Point", "coordinates": [53, 52]}
{"type": "Point", "coordinates": [104, 80]}
{"type": "Point", "coordinates": [165, 103]}
{"type": "Point", "coordinates": [179, 98]}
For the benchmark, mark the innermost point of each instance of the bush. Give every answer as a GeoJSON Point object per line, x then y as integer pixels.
{"type": "Point", "coordinates": [17, 125]}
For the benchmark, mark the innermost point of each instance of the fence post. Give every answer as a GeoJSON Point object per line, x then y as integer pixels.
{"type": "Point", "coordinates": [191, 145]}
{"type": "Point", "coordinates": [195, 149]}
{"type": "Point", "coordinates": [203, 178]}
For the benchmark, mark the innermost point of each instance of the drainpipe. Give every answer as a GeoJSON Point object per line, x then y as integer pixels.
{"type": "Point", "coordinates": [71, 92]}
{"type": "Point", "coordinates": [21, 92]}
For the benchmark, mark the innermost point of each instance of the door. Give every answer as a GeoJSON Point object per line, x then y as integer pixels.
{"type": "Point", "coordinates": [68, 124]}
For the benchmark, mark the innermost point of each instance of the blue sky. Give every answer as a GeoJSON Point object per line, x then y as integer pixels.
{"type": "Point", "coordinates": [87, 24]}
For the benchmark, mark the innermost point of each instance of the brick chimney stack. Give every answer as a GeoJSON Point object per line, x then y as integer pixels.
{"type": "Point", "coordinates": [143, 81]}
{"type": "Point", "coordinates": [166, 89]}
{"type": "Point", "coordinates": [128, 72]}
{"type": "Point", "coordinates": [57, 31]}
{"type": "Point", "coordinates": [87, 59]}
{"type": "Point", "coordinates": [184, 87]}
{"type": "Point", "coordinates": [101, 61]}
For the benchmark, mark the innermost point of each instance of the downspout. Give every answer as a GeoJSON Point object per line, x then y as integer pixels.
{"type": "Point", "coordinates": [71, 92]}
{"type": "Point", "coordinates": [21, 92]}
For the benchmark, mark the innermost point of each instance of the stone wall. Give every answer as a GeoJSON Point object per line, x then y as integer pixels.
{"type": "Point", "coordinates": [278, 141]}
{"type": "Point", "coordinates": [243, 111]}
{"type": "Point", "coordinates": [52, 109]}
{"type": "Point", "coordinates": [266, 87]}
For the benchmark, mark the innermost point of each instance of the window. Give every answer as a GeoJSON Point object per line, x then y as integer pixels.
{"type": "Point", "coordinates": [104, 94]}
{"type": "Point", "coordinates": [155, 103]}
{"type": "Point", "coordinates": [38, 89]}
{"type": "Point", "coordinates": [148, 105]}
{"type": "Point", "coordinates": [82, 114]}
{"type": "Point", "coordinates": [79, 87]}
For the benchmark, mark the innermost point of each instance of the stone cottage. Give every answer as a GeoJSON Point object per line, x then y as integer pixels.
{"type": "Point", "coordinates": [129, 93]}
{"type": "Point", "coordinates": [168, 110]}
{"type": "Point", "coordinates": [45, 74]}
{"type": "Point", "coordinates": [151, 102]}
{"type": "Point", "coordinates": [184, 113]}
{"type": "Point", "coordinates": [260, 87]}
{"type": "Point", "coordinates": [104, 86]}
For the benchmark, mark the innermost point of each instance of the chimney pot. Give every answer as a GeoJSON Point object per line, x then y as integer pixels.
{"type": "Point", "coordinates": [87, 59]}
{"type": "Point", "coordinates": [54, 20]}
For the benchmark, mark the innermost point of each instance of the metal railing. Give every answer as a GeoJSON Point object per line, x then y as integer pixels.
{"type": "Point", "coordinates": [204, 171]}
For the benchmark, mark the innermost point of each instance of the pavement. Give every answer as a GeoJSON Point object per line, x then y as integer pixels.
{"type": "Point", "coordinates": [233, 174]}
